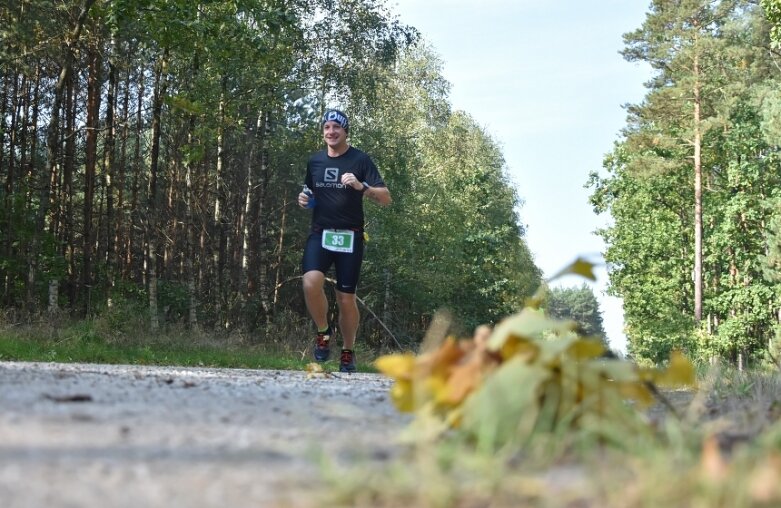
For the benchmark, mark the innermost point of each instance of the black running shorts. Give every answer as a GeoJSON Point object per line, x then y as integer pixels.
{"type": "Point", "coordinates": [348, 264]}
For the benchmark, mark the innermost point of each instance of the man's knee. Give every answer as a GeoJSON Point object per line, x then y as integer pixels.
{"type": "Point", "coordinates": [313, 281]}
{"type": "Point", "coordinates": [346, 299]}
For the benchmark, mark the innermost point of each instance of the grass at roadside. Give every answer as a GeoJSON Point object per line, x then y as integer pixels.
{"type": "Point", "coordinates": [91, 342]}
{"type": "Point", "coordinates": [25, 349]}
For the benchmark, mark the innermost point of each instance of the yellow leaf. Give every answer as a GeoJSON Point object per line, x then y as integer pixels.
{"type": "Point", "coordinates": [440, 360]}
{"type": "Point", "coordinates": [529, 324]}
{"type": "Point", "coordinates": [585, 349]}
{"type": "Point", "coordinates": [679, 372]}
{"type": "Point", "coordinates": [315, 370]}
{"type": "Point", "coordinates": [402, 396]}
{"type": "Point", "coordinates": [518, 347]}
{"type": "Point", "coordinates": [314, 367]}
{"type": "Point", "coordinates": [434, 386]}
{"type": "Point", "coordinates": [578, 267]}
{"type": "Point", "coordinates": [464, 379]}
{"type": "Point", "coordinates": [399, 366]}
{"type": "Point", "coordinates": [638, 392]}
{"type": "Point", "coordinates": [647, 374]}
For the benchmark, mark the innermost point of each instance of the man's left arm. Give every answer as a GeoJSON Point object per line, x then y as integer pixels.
{"type": "Point", "coordinates": [374, 187]}
{"type": "Point", "coordinates": [378, 193]}
{"type": "Point", "coordinates": [371, 184]}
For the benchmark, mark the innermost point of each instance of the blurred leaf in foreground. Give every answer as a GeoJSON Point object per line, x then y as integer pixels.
{"type": "Point", "coordinates": [531, 375]}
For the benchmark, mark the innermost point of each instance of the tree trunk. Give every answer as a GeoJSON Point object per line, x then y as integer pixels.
{"type": "Point", "coordinates": [152, 213]}
{"type": "Point", "coordinates": [280, 250]}
{"type": "Point", "coordinates": [90, 164]}
{"type": "Point", "coordinates": [53, 307]}
{"type": "Point", "coordinates": [250, 204]}
{"type": "Point", "coordinates": [68, 236]}
{"type": "Point", "coordinates": [189, 233]}
{"type": "Point", "coordinates": [121, 232]}
{"type": "Point", "coordinates": [22, 127]}
{"type": "Point", "coordinates": [219, 225]}
{"type": "Point", "coordinates": [5, 226]}
{"type": "Point", "coordinates": [260, 249]}
{"type": "Point", "coordinates": [34, 166]}
{"type": "Point", "coordinates": [3, 116]}
{"type": "Point", "coordinates": [108, 167]}
{"type": "Point", "coordinates": [139, 274]}
{"type": "Point", "coordinates": [386, 302]}
{"type": "Point", "coordinates": [697, 194]}
{"type": "Point", "coordinates": [9, 177]}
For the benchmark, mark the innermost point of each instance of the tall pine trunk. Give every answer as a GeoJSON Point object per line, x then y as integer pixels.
{"type": "Point", "coordinates": [189, 232]}
{"type": "Point", "coordinates": [107, 256]}
{"type": "Point", "coordinates": [152, 208]}
{"type": "Point", "coordinates": [90, 165]}
{"type": "Point", "coordinates": [256, 257]}
{"type": "Point", "coordinates": [135, 269]}
{"type": "Point", "coordinates": [219, 223]}
{"type": "Point", "coordinates": [697, 190]}
{"type": "Point", "coordinates": [263, 219]}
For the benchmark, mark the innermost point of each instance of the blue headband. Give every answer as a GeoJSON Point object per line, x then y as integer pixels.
{"type": "Point", "coordinates": [334, 115]}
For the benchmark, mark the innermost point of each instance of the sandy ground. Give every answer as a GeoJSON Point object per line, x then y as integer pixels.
{"type": "Point", "coordinates": [79, 435]}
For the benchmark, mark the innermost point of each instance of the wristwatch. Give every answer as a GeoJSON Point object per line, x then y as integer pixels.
{"type": "Point", "coordinates": [365, 186]}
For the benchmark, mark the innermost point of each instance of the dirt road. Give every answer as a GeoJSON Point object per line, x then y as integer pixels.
{"type": "Point", "coordinates": [77, 435]}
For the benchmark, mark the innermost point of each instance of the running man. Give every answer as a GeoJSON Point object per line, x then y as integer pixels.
{"type": "Point", "coordinates": [338, 177]}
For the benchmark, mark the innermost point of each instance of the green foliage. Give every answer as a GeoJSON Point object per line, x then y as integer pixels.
{"type": "Point", "coordinates": [234, 90]}
{"type": "Point", "coordinates": [648, 190]}
{"type": "Point", "coordinates": [577, 304]}
{"type": "Point", "coordinates": [773, 12]}
{"type": "Point", "coordinates": [771, 268]}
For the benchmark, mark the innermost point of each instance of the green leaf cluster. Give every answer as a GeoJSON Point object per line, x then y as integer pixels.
{"type": "Point", "coordinates": [533, 377]}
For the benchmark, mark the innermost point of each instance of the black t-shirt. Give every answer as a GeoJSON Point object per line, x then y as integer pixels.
{"type": "Point", "coordinates": [339, 206]}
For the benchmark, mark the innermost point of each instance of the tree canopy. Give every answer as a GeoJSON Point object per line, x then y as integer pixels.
{"type": "Point", "coordinates": [580, 305]}
{"type": "Point", "coordinates": [151, 152]}
{"type": "Point", "coordinates": [706, 125]}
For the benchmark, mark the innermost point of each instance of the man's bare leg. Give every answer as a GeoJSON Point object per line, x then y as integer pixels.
{"type": "Point", "coordinates": [314, 296]}
{"type": "Point", "coordinates": [349, 317]}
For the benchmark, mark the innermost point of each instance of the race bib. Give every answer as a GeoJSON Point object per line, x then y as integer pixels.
{"type": "Point", "coordinates": [338, 240]}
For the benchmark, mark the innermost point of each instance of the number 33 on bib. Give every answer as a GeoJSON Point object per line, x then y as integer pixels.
{"type": "Point", "coordinates": [338, 240]}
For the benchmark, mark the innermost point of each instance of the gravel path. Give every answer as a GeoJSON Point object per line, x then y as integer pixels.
{"type": "Point", "coordinates": [79, 435]}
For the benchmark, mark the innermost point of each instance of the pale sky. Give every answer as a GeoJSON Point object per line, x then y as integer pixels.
{"type": "Point", "coordinates": [546, 81]}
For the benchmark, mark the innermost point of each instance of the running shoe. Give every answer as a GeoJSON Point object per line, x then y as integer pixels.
{"type": "Point", "coordinates": [347, 361]}
{"type": "Point", "coordinates": [322, 349]}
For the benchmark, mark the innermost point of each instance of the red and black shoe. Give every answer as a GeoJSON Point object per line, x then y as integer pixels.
{"type": "Point", "coordinates": [347, 361]}
{"type": "Point", "coordinates": [322, 349]}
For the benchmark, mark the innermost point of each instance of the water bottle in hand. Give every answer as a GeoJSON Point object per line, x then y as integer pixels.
{"type": "Point", "coordinates": [311, 203]}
